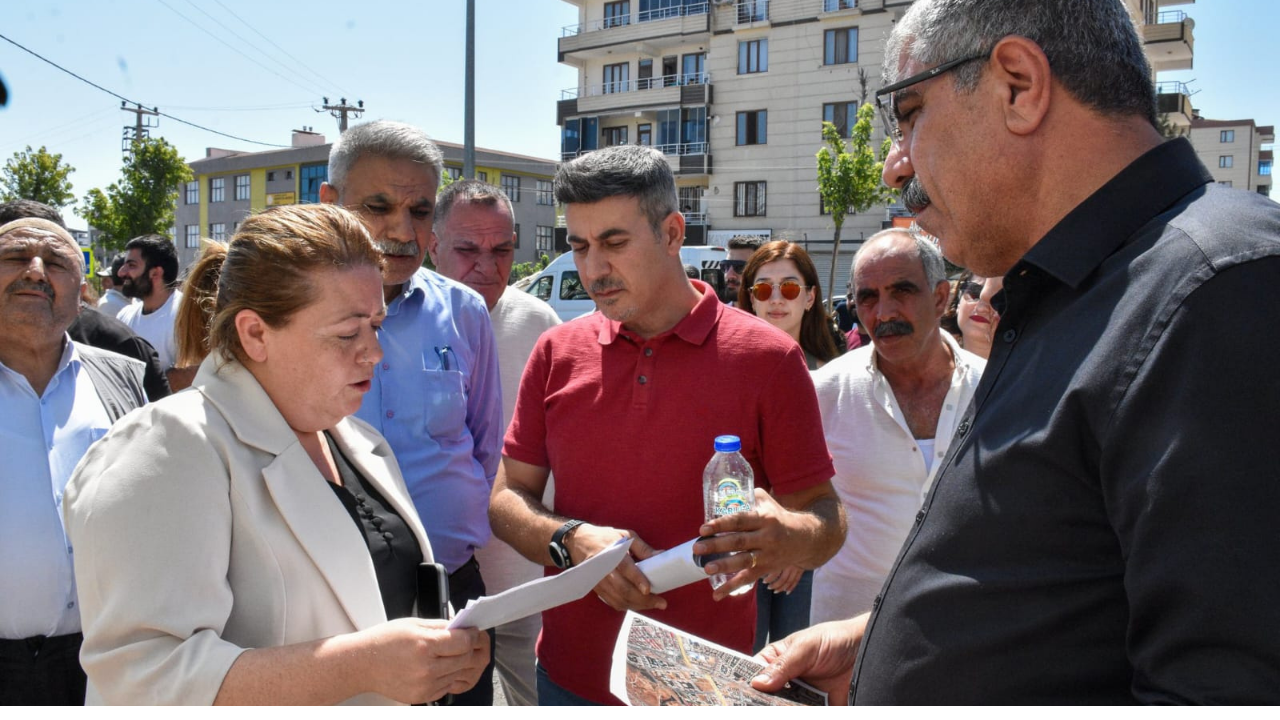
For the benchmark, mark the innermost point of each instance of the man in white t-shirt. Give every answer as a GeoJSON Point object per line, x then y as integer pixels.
{"type": "Point", "coordinates": [888, 412]}
{"type": "Point", "coordinates": [149, 271]}
{"type": "Point", "coordinates": [473, 242]}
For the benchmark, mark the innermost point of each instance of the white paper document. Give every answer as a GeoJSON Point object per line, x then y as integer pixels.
{"type": "Point", "coordinates": [671, 569]}
{"type": "Point", "coordinates": [542, 594]}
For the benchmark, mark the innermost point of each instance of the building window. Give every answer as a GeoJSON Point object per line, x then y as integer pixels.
{"type": "Point", "coordinates": [242, 187]}
{"type": "Point", "coordinates": [752, 127]}
{"type": "Point", "coordinates": [511, 186]}
{"type": "Point", "coordinates": [694, 69]}
{"type": "Point", "coordinates": [1226, 161]}
{"type": "Point", "coordinates": [271, 176]}
{"type": "Point", "coordinates": [313, 176]}
{"type": "Point", "coordinates": [617, 14]}
{"type": "Point", "coordinates": [545, 239]}
{"type": "Point", "coordinates": [1227, 136]}
{"type": "Point", "coordinates": [840, 46]}
{"type": "Point", "coordinates": [749, 199]}
{"type": "Point", "coordinates": [616, 77]}
{"type": "Point", "coordinates": [193, 192]}
{"type": "Point", "coordinates": [517, 235]}
{"type": "Point", "coordinates": [193, 236]}
{"type": "Point", "coordinates": [455, 174]}
{"type": "Point", "coordinates": [1224, 183]}
{"type": "Point", "coordinates": [1264, 167]}
{"type": "Point", "coordinates": [833, 5]}
{"type": "Point", "coordinates": [644, 134]}
{"type": "Point", "coordinates": [753, 56]}
{"type": "Point", "coordinates": [217, 189]}
{"type": "Point", "coordinates": [840, 114]}
{"type": "Point", "coordinates": [218, 231]}
{"type": "Point", "coordinates": [546, 192]}
{"type": "Point", "coordinates": [615, 136]}
{"type": "Point", "coordinates": [753, 10]}
{"type": "Point", "coordinates": [482, 176]}
{"type": "Point", "coordinates": [288, 174]}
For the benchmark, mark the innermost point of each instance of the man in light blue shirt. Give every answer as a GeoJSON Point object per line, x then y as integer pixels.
{"type": "Point", "coordinates": [436, 395]}
{"type": "Point", "coordinates": [58, 398]}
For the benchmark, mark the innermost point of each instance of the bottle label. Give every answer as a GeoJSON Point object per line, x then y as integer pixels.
{"type": "Point", "coordinates": [729, 498]}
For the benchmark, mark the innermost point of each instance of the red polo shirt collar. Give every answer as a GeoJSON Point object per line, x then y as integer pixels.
{"type": "Point", "coordinates": [692, 328]}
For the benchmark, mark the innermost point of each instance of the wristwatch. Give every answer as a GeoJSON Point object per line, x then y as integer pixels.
{"type": "Point", "coordinates": [559, 551]}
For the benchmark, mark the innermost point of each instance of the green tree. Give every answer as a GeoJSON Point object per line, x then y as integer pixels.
{"type": "Point", "coordinates": [525, 269]}
{"type": "Point", "coordinates": [849, 178]}
{"type": "Point", "coordinates": [37, 175]}
{"type": "Point", "coordinates": [142, 202]}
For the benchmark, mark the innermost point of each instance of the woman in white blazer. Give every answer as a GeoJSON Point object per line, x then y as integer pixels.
{"type": "Point", "coordinates": [245, 541]}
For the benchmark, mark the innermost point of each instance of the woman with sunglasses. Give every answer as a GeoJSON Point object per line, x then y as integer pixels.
{"type": "Point", "coordinates": [975, 315]}
{"type": "Point", "coordinates": [780, 285]}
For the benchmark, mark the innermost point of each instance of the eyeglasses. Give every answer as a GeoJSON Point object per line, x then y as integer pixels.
{"type": "Point", "coordinates": [887, 107]}
{"type": "Point", "coordinates": [971, 290]}
{"type": "Point", "coordinates": [790, 290]}
{"type": "Point", "coordinates": [734, 265]}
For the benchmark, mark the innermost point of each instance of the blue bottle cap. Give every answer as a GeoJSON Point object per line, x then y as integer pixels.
{"type": "Point", "coordinates": [728, 443]}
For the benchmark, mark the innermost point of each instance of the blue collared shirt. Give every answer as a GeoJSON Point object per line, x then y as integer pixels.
{"type": "Point", "coordinates": [42, 438]}
{"type": "Point", "coordinates": [437, 398]}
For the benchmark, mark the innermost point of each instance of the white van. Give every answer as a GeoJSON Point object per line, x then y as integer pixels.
{"type": "Point", "coordinates": [558, 283]}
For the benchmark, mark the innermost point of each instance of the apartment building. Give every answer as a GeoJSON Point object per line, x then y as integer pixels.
{"type": "Point", "coordinates": [734, 93]}
{"type": "Point", "coordinates": [1233, 152]}
{"type": "Point", "coordinates": [228, 185]}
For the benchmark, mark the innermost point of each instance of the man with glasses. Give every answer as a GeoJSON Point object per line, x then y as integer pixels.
{"type": "Point", "coordinates": [889, 411]}
{"type": "Point", "coordinates": [624, 405]}
{"type": "Point", "coordinates": [739, 251]}
{"type": "Point", "coordinates": [1103, 526]}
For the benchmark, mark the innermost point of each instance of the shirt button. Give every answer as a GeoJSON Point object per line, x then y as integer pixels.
{"type": "Point", "coordinates": [919, 517]}
{"type": "Point", "coordinates": [70, 605]}
{"type": "Point", "coordinates": [964, 428]}
{"type": "Point", "coordinates": [648, 352]}
{"type": "Point", "coordinates": [386, 366]}
{"type": "Point", "coordinates": [642, 380]}
{"type": "Point", "coordinates": [1010, 335]}
{"type": "Point", "coordinates": [875, 604]}
{"type": "Point", "coordinates": [391, 414]}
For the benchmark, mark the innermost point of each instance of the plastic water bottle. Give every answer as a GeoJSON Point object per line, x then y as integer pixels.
{"type": "Point", "coordinates": [728, 487]}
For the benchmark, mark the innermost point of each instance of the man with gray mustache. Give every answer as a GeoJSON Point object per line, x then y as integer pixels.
{"type": "Point", "coordinates": [436, 395]}
{"type": "Point", "coordinates": [889, 410]}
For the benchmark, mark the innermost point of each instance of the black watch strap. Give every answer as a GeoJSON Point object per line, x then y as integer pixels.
{"type": "Point", "coordinates": [559, 552]}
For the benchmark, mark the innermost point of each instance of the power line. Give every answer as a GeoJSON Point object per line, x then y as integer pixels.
{"type": "Point", "coordinates": [241, 38]}
{"type": "Point", "coordinates": [44, 59]}
{"type": "Point", "coordinates": [235, 49]}
{"type": "Point", "coordinates": [300, 63]}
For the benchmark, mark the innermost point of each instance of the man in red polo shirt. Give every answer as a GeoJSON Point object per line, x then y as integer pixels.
{"type": "Point", "coordinates": [623, 405]}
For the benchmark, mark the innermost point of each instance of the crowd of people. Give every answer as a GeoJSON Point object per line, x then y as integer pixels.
{"type": "Point", "coordinates": [1049, 480]}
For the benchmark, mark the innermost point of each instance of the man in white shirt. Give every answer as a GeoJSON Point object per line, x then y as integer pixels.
{"type": "Point", "coordinates": [888, 412]}
{"type": "Point", "coordinates": [58, 398]}
{"type": "Point", "coordinates": [149, 272]}
{"type": "Point", "coordinates": [473, 242]}
{"type": "Point", "coordinates": [112, 301]}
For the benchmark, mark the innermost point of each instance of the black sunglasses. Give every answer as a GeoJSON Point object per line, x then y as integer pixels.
{"type": "Point", "coordinates": [734, 265]}
{"type": "Point", "coordinates": [887, 108]}
{"type": "Point", "coordinates": [971, 290]}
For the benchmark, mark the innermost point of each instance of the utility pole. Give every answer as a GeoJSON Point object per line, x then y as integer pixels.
{"type": "Point", "coordinates": [469, 99]}
{"type": "Point", "coordinates": [139, 130]}
{"type": "Point", "coordinates": [341, 110]}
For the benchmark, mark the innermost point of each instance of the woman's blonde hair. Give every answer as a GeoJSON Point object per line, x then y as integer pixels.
{"type": "Point", "coordinates": [269, 267]}
{"type": "Point", "coordinates": [199, 296]}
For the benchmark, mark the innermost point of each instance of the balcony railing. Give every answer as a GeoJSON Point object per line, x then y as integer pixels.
{"type": "Point", "coordinates": [750, 11]}
{"type": "Point", "coordinates": [638, 84]}
{"type": "Point", "coordinates": [625, 20]}
{"type": "Point", "coordinates": [1169, 17]}
{"type": "Point", "coordinates": [697, 148]}
{"type": "Point", "coordinates": [1172, 87]}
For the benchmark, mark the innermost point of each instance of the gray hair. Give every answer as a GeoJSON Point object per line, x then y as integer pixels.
{"type": "Point", "coordinates": [383, 138]}
{"type": "Point", "coordinates": [935, 268]}
{"type": "Point", "coordinates": [630, 170]}
{"type": "Point", "coordinates": [469, 192]}
{"type": "Point", "coordinates": [1093, 46]}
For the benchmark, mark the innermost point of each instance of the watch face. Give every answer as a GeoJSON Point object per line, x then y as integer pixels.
{"type": "Point", "coordinates": [558, 555]}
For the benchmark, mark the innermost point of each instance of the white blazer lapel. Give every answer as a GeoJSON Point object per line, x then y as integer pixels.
{"type": "Point", "coordinates": [324, 529]}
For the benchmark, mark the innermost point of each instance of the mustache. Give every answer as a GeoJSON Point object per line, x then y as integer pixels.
{"type": "Point", "coordinates": [604, 284]}
{"type": "Point", "coordinates": [889, 328]}
{"type": "Point", "coordinates": [391, 247]}
{"type": "Point", "coordinates": [24, 285]}
{"type": "Point", "coordinates": [914, 197]}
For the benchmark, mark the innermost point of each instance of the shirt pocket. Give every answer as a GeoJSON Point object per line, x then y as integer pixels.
{"type": "Point", "coordinates": [444, 404]}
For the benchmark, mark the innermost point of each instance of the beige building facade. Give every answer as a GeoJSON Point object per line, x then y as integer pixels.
{"type": "Point", "coordinates": [734, 92]}
{"type": "Point", "coordinates": [1233, 151]}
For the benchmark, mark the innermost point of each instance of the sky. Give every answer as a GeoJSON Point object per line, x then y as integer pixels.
{"type": "Point", "coordinates": [256, 69]}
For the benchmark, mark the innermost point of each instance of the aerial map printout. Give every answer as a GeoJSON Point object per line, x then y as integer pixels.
{"type": "Point", "coordinates": [655, 664]}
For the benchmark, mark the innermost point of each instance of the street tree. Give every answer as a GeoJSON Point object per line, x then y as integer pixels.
{"type": "Point", "coordinates": [849, 178]}
{"type": "Point", "coordinates": [37, 175]}
{"type": "Point", "coordinates": [142, 202]}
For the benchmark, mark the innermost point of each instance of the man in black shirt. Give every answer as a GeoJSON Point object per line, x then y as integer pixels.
{"type": "Point", "coordinates": [1103, 527]}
